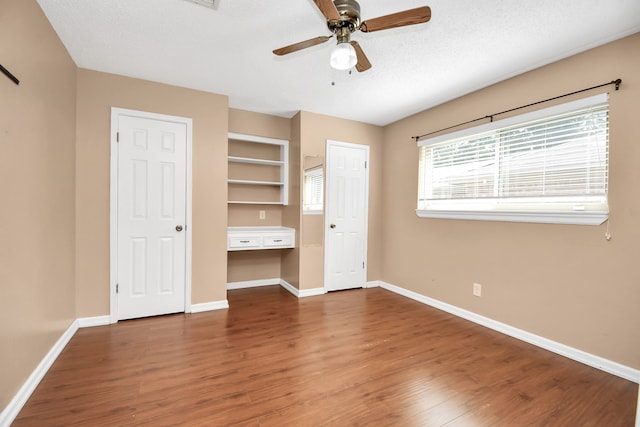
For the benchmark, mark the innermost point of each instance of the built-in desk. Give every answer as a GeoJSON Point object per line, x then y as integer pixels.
{"type": "Point", "coordinates": [256, 238]}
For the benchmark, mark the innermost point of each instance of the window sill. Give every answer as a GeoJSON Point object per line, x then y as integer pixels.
{"type": "Point", "coordinates": [575, 218]}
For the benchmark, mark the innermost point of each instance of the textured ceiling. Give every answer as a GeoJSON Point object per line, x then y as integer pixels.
{"type": "Point", "coordinates": [467, 45]}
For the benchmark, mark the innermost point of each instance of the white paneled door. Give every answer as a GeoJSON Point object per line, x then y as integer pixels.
{"type": "Point", "coordinates": [346, 216]}
{"type": "Point", "coordinates": [151, 216]}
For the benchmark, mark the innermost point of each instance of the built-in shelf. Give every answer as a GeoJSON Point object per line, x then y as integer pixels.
{"type": "Point", "coordinates": [240, 202]}
{"type": "Point", "coordinates": [258, 170]}
{"type": "Point", "coordinates": [250, 160]}
{"type": "Point", "coordinates": [248, 182]}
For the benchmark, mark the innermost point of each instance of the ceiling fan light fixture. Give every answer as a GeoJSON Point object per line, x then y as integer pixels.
{"type": "Point", "coordinates": [343, 57]}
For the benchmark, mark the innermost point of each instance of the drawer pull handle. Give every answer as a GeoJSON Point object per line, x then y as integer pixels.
{"type": "Point", "coordinates": [277, 240]}
{"type": "Point", "coordinates": [245, 241]}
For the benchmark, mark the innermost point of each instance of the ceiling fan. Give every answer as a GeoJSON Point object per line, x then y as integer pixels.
{"type": "Point", "coordinates": [343, 19]}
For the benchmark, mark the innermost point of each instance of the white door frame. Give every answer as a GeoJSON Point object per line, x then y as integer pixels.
{"type": "Point", "coordinates": [113, 224]}
{"type": "Point", "coordinates": [329, 144]}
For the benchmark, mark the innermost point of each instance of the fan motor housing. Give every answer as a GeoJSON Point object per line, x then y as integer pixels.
{"type": "Point", "coordinates": [349, 11]}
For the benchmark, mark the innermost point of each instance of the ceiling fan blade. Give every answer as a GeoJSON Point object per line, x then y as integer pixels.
{"type": "Point", "coordinates": [301, 45]}
{"type": "Point", "coordinates": [328, 9]}
{"type": "Point", "coordinates": [399, 19]}
{"type": "Point", "coordinates": [363, 62]}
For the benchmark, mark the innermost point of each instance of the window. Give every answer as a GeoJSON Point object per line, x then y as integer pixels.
{"type": "Point", "coordinates": [312, 191]}
{"type": "Point", "coordinates": [547, 166]}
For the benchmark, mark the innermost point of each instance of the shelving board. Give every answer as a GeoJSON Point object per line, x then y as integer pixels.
{"type": "Point", "coordinates": [258, 169]}
{"type": "Point", "coordinates": [240, 202]}
{"type": "Point", "coordinates": [233, 159]}
{"type": "Point", "coordinates": [249, 182]}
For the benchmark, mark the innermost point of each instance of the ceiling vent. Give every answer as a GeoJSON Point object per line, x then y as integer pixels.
{"type": "Point", "coordinates": [213, 4]}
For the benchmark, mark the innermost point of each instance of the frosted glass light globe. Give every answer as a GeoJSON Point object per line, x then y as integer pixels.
{"type": "Point", "coordinates": [343, 56]}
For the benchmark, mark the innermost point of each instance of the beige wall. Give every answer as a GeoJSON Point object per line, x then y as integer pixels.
{"type": "Point", "coordinates": [316, 129]}
{"type": "Point", "coordinates": [97, 93]}
{"type": "Point", "coordinates": [252, 123]}
{"type": "Point", "coordinates": [291, 213]}
{"type": "Point", "coordinates": [37, 168]}
{"type": "Point", "coordinates": [563, 282]}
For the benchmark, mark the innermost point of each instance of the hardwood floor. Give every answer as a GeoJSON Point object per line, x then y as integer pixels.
{"type": "Point", "coordinates": [360, 357]}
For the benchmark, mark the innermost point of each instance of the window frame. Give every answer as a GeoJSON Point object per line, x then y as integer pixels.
{"type": "Point", "coordinates": [468, 210]}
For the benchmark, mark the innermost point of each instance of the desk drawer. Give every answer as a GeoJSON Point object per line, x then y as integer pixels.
{"type": "Point", "coordinates": [259, 238]}
{"type": "Point", "coordinates": [275, 241]}
{"type": "Point", "coordinates": [245, 241]}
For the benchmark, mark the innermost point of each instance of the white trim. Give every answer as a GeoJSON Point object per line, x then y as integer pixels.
{"type": "Point", "coordinates": [373, 284]}
{"type": "Point", "coordinates": [113, 219]}
{"type": "Point", "coordinates": [209, 306]}
{"type": "Point", "coordinates": [313, 292]}
{"type": "Point", "coordinates": [11, 411]}
{"type": "Point", "coordinates": [188, 307]}
{"type": "Point", "coordinates": [270, 282]}
{"type": "Point", "coordinates": [598, 362]}
{"type": "Point", "coordinates": [559, 217]}
{"type": "Point", "coordinates": [579, 104]}
{"type": "Point", "coordinates": [88, 322]}
{"type": "Point", "coordinates": [302, 293]}
{"type": "Point", "coordinates": [289, 287]}
{"type": "Point", "coordinates": [113, 204]}
{"type": "Point", "coordinates": [327, 220]}
{"type": "Point", "coordinates": [252, 284]}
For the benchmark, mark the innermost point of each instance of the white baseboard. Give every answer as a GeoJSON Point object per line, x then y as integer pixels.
{"type": "Point", "coordinates": [209, 306]}
{"type": "Point", "coordinates": [12, 410]}
{"type": "Point", "coordinates": [311, 292]}
{"type": "Point", "coordinates": [289, 287]}
{"type": "Point", "coordinates": [302, 293]}
{"type": "Point", "coordinates": [598, 362]}
{"type": "Point", "coordinates": [87, 322]}
{"type": "Point", "coordinates": [269, 282]}
{"type": "Point", "coordinates": [252, 284]}
{"type": "Point", "coordinates": [373, 284]}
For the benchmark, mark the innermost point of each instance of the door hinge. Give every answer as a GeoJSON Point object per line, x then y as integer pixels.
{"type": "Point", "coordinates": [362, 264]}
{"type": "Point", "coordinates": [117, 136]}
{"type": "Point", "coordinates": [117, 288]}
{"type": "Point", "coordinates": [365, 164]}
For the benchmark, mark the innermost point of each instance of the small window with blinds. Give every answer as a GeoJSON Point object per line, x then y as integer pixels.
{"type": "Point", "coordinates": [313, 191]}
{"type": "Point", "coordinates": [550, 165]}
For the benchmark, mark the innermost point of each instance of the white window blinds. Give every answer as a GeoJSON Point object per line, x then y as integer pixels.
{"type": "Point", "coordinates": [313, 191]}
{"type": "Point", "coordinates": [555, 159]}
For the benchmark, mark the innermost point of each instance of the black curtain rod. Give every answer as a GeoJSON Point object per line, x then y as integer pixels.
{"type": "Point", "coordinates": [8, 74]}
{"type": "Point", "coordinates": [491, 116]}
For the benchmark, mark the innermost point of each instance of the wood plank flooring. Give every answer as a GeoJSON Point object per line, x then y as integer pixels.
{"type": "Point", "coordinates": [351, 358]}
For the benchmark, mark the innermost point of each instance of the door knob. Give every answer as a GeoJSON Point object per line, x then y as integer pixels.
{"type": "Point", "coordinates": [178, 228]}
{"type": "Point", "coordinates": [332, 226]}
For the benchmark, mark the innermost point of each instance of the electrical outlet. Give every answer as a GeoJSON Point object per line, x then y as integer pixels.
{"type": "Point", "coordinates": [477, 289]}
{"type": "Point", "coordinates": [262, 215]}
